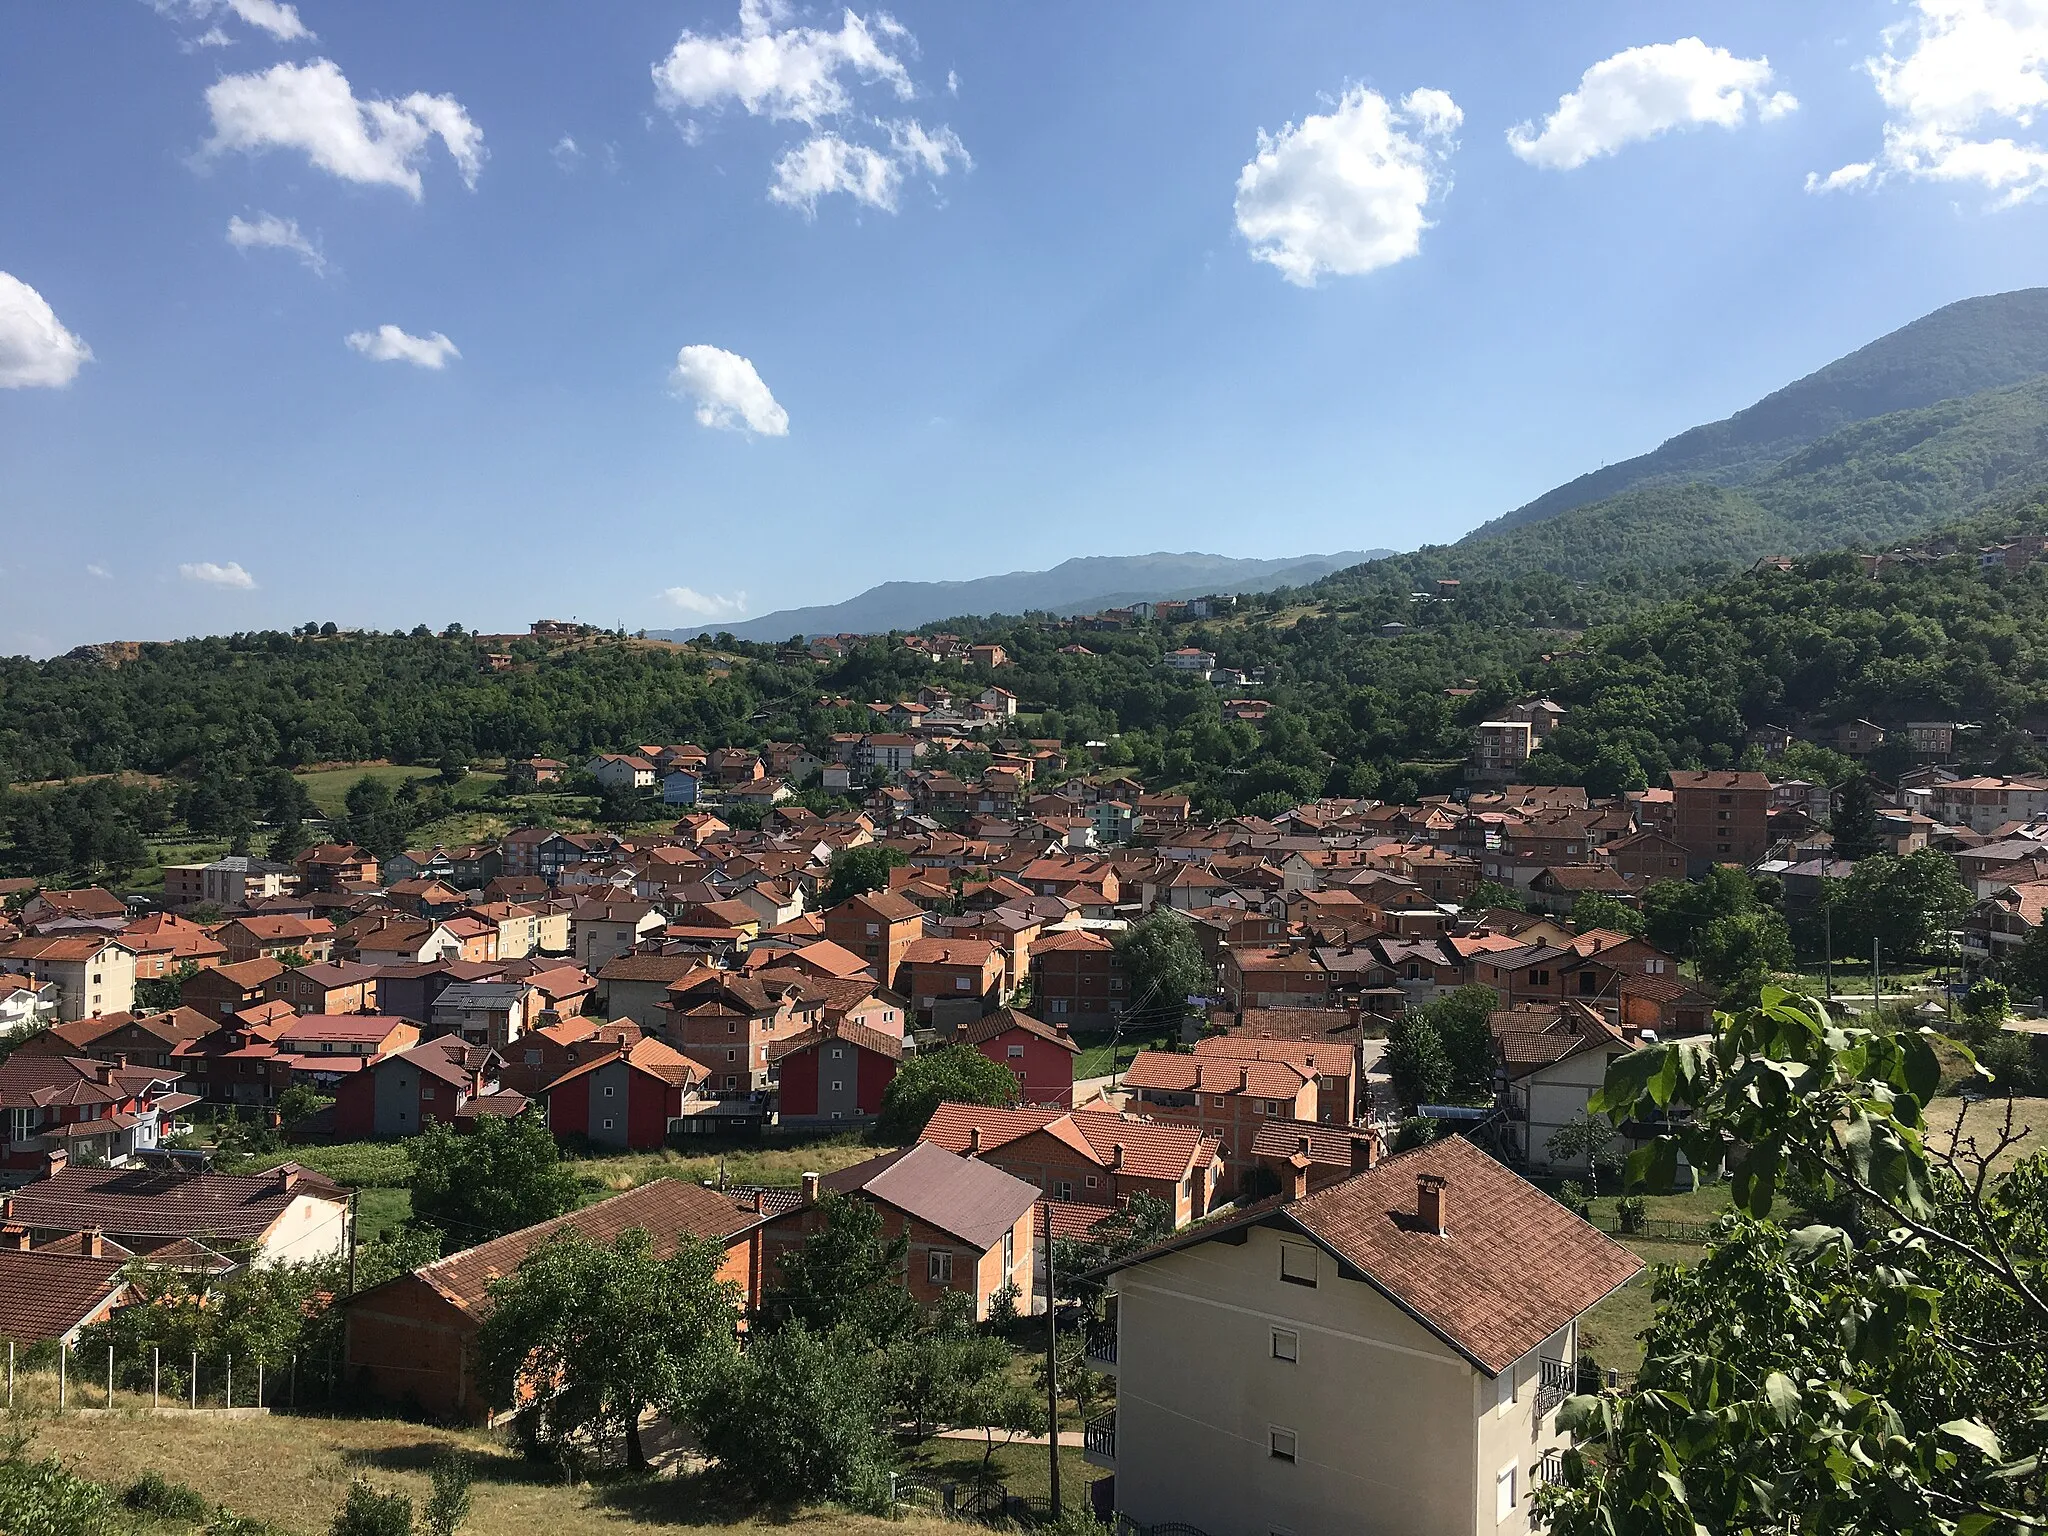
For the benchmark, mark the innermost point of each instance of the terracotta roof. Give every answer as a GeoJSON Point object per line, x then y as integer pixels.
{"type": "Point", "coordinates": [1326, 1144]}
{"type": "Point", "coordinates": [44, 1295]}
{"type": "Point", "coordinates": [132, 1203]}
{"type": "Point", "coordinates": [1069, 939]}
{"type": "Point", "coordinates": [970, 1199]}
{"type": "Point", "coordinates": [645, 967]}
{"type": "Point", "coordinates": [968, 952]}
{"type": "Point", "coordinates": [1003, 1020]}
{"type": "Point", "coordinates": [248, 974]}
{"type": "Point", "coordinates": [646, 1054]}
{"type": "Point", "coordinates": [1330, 1059]}
{"type": "Point", "coordinates": [839, 1029]}
{"type": "Point", "coordinates": [355, 1028]}
{"type": "Point", "coordinates": [1152, 1149]}
{"type": "Point", "coordinates": [664, 1208]}
{"type": "Point", "coordinates": [1170, 1072]}
{"type": "Point", "coordinates": [1314, 1025]}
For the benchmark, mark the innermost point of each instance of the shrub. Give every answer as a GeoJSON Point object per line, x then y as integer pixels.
{"type": "Point", "coordinates": [153, 1495]}
{"type": "Point", "coordinates": [1573, 1197]}
{"type": "Point", "coordinates": [39, 1498]}
{"type": "Point", "coordinates": [367, 1512]}
{"type": "Point", "coordinates": [1630, 1211]}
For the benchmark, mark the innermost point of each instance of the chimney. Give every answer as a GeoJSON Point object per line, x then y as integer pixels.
{"type": "Point", "coordinates": [1365, 1151]}
{"type": "Point", "coordinates": [287, 1176]}
{"type": "Point", "coordinates": [1244, 1079]}
{"type": "Point", "coordinates": [1298, 1174]}
{"type": "Point", "coordinates": [1116, 1155]}
{"type": "Point", "coordinates": [1429, 1203]}
{"type": "Point", "coordinates": [810, 1188]}
{"type": "Point", "coordinates": [94, 1246]}
{"type": "Point", "coordinates": [18, 1238]}
{"type": "Point", "coordinates": [974, 1141]}
{"type": "Point", "coordinates": [755, 1201]}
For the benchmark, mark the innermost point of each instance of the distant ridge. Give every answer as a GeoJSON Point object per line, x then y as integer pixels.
{"type": "Point", "coordinates": [1082, 585]}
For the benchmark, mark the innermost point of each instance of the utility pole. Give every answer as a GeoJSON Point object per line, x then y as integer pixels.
{"type": "Point", "coordinates": [1052, 1364]}
{"type": "Point", "coordinates": [352, 1242]}
{"type": "Point", "coordinates": [1876, 988]}
{"type": "Point", "coordinates": [1827, 919]}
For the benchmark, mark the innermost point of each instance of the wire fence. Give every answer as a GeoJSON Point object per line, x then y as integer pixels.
{"type": "Point", "coordinates": [57, 1378]}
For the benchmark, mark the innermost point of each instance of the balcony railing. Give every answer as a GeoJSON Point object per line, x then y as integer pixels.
{"type": "Point", "coordinates": [1550, 1470]}
{"type": "Point", "coordinates": [1098, 1437]}
{"type": "Point", "coordinates": [1102, 1344]}
{"type": "Point", "coordinates": [1560, 1379]}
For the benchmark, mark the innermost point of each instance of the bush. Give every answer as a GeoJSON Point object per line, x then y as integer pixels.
{"type": "Point", "coordinates": [1631, 1212]}
{"type": "Point", "coordinates": [1573, 1197]}
{"type": "Point", "coordinates": [153, 1495]}
{"type": "Point", "coordinates": [39, 1498]}
{"type": "Point", "coordinates": [1416, 1132]}
{"type": "Point", "coordinates": [367, 1512]}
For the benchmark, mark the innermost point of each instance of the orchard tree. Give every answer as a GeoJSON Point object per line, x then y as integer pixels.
{"type": "Point", "coordinates": [1163, 966]}
{"type": "Point", "coordinates": [953, 1073]}
{"type": "Point", "coordinates": [504, 1175]}
{"type": "Point", "coordinates": [846, 1277]}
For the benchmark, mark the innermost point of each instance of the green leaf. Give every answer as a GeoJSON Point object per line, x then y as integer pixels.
{"type": "Point", "coordinates": [1783, 1398]}
{"type": "Point", "coordinates": [1971, 1433]}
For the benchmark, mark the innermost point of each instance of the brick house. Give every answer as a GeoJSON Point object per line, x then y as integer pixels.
{"type": "Point", "coordinates": [1230, 1099]}
{"type": "Point", "coordinates": [835, 1071]}
{"type": "Point", "coordinates": [275, 937]}
{"type": "Point", "coordinates": [1042, 1055]}
{"type": "Point", "coordinates": [879, 927]}
{"type": "Point", "coordinates": [226, 990]}
{"type": "Point", "coordinates": [969, 1224]}
{"type": "Point", "coordinates": [951, 980]}
{"type": "Point", "coordinates": [413, 1338]}
{"type": "Point", "coordinates": [1332, 1063]}
{"type": "Point", "coordinates": [327, 987]}
{"type": "Point", "coordinates": [727, 1023]}
{"type": "Point", "coordinates": [1088, 1156]}
{"type": "Point", "coordinates": [1720, 817]}
{"type": "Point", "coordinates": [1076, 979]}
{"type": "Point", "coordinates": [1279, 976]}
{"type": "Point", "coordinates": [163, 943]}
{"type": "Point", "coordinates": [441, 1080]}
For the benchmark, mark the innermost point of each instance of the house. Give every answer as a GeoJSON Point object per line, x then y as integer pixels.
{"type": "Point", "coordinates": [335, 867]}
{"type": "Point", "coordinates": [399, 1094]}
{"type": "Point", "coordinates": [1333, 1063]}
{"type": "Point", "coordinates": [600, 930]}
{"type": "Point", "coordinates": [165, 943]}
{"type": "Point", "coordinates": [343, 1041]}
{"type": "Point", "coordinates": [1042, 1055]}
{"type": "Point", "coordinates": [628, 1098]}
{"type": "Point", "coordinates": [27, 1005]}
{"type": "Point", "coordinates": [94, 974]}
{"type": "Point", "coordinates": [837, 1070]}
{"type": "Point", "coordinates": [1720, 817]}
{"type": "Point", "coordinates": [727, 1024]}
{"type": "Point", "coordinates": [1231, 1099]}
{"type": "Point", "coordinates": [617, 770]}
{"type": "Point", "coordinates": [880, 927]}
{"type": "Point", "coordinates": [389, 939]}
{"type": "Point", "coordinates": [1556, 1056]}
{"type": "Point", "coordinates": [635, 985]}
{"type": "Point", "coordinates": [61, 1107]}
{"type": "Point", "coordinates": [1647, 856]}
{"type": "Point", "coordinates": [413, 1339]}
{"type": "Point", "coordinates": [1500, 748]}
{"type": "Point", "coordinates": [1077, 980]}
{"type": "Point", "coordinates": [1276, 976]}
{"type": "Point", "coordinates": [288, 1214]}
{"type": "Point", "coordinates": [950, 981]}
{"type": "Point", "coordinates": [1316, 1155]}
{"type": "Point", "coordinates": [1189, 659]}
{"type": "Point", "coordinates": [1089, 1157]}
{"type": "Point", "coordinates": [239, 880]}
{"type": "Point", "coordinates": [226, 990]}
{"type": "Point", "coordinates": [132, 1040]}
{"type": "Point", "coordinates": [1382, 1358]}
{"type": "Point", "coordinates": [278, 938]}
{"type": "Point", "coordinates": [969, 1224]}
{"type": "Point", "coordinates": [50, 912]}
{"type": "Point", "coordinates": [48, 1296]}
{"type": "Point", "coordinates": [680, 786]}
{"type": "Point", "coordinates": [1985, 803]}
{"type": "Point", "coordinates": [493, 1013]}
{"type": "Point", "coordinates": [238, 1061]}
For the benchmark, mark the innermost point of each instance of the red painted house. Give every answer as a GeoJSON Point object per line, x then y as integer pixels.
{"type": "Point", "coordinates": [446, 1079]}
{"type": "Point", "coordinates": [835, 1071]}
{"type": "Point", "coordinates": [1042, 1055]}
{"type": "Point", "coordinates": [624, 1098]}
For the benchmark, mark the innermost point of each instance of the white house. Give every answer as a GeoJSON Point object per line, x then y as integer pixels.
{"type": "Point", "coordinates": [1382, 1358]}
{"type": "Point", "coordinates": [1557, 1055]}
{"type": "Point", "coordinates": [621, 770]}
{"type": "Point", "coordinates": [679, 787]}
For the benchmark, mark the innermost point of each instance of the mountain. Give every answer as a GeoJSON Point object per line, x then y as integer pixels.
{"type": "Point", "coordinates": [1960, 350]}
{"type": "Point", "coordinates": [1083, 585]}
{"type": "Point", "coordinates": [1878, 481]}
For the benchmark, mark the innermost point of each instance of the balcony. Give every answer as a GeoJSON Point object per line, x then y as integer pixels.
{"type": "Point", "coordinates": [1102, 1348]}
{"type": "Point", "coordinates": [1098, 1441]}
{"type": "Point", "coordinates": [1560, 1379]}
{"type": "Point", "coordinates": [1550, 1470]}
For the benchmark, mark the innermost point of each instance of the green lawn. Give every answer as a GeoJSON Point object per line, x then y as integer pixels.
{"type": "Point", "coordinates": [1093, 1061]}
{"type": "Point", "coordinates": [329, 787]}
{"type": "Point", "coordinates": [1611, 1332]}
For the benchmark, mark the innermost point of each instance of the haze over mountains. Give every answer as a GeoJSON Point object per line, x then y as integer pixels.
{"type": "Point", "coordinates": [1084, 585]}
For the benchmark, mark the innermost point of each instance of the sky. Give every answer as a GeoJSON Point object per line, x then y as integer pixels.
{"type": "Point", "coordinates": [654, 313]}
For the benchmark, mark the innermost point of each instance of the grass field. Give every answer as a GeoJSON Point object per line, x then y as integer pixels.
{"type": "Point", "coordinates": [743, 1164]}
{"type": "Point", "coordinates": [293, 1473]}
{"type": "Point", "coordinates": [329, 787]}
{"type": "Point", "coordinates": [1093, 1060]}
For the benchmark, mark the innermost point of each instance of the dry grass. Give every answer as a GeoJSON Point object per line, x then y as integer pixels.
{"type": "Point", "coordinates": [1983, 1121]}
{"type": "Point", "coordinates": [742, 1165]}
{"type": "Point", "coordinates": [1610, 1332]}
{"type": "Point", "coordinates": [294, 1473]}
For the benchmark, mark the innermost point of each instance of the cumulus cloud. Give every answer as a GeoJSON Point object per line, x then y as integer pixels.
{"type": "Point", "coordinates": [268, 231]}
{"type": "Point", "coordinates": [808, 75]}
{"type": "Point", "coordinates": [388, 344]}
{"type": "Point", "coordinates": [727, 392]}
{"type": "Point", "coordinates": [1956, 77]}
{"type": "Point", "coordinates": [208, 574]}
{"type": "Point", "coordinates": [100, 572]}
{"type": "Point", "coordinates": [566, 154]}
{"type": "Point", "coordinates": [1640, 93]}
{"type": "Point", "coordinates": [793, 74]}
{"type": "Point", "coordinates": [313, 109]}
{"type": "Point", "coordinates": [1345, 192]}
{"type": "Point", "coordinates": [36, 352]}
{"type": "Point", "coordinates": [705, 605]}
{"type": "Point", "coordinates": [280, 20]}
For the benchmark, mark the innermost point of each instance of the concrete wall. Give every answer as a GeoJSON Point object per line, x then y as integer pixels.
{"type": "Point", "coordinates": [310, 1228]}
{"type": "Point", "coordinates": [610, 1088]}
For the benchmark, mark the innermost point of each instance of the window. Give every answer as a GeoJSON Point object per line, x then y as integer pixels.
{"type": "Point", "coordinates": [962, 984]}
{"type": "Point", "coordinates": [1091, 1181]}
{"type": "Point", "coordinates": [838, 1051]}
{"type": "Point", "coordinates": [874, 929]}
{"type": "Point", "coordinates": [1298, 1264]}
{"type": "Point", "coordinates": [1286, 1345]}
{"type": "Point", "coordinates": [838, 1086]}
{"type": "Point", "coordinates": [1280, 1443]}
{"type": "Point", "coordinates": [732, 1055]}
{"type": "Point", "coordinates": [1217, 1101]}
{"type": "Point", "coordinates": [610, 1091]}
{"type": "Point", "coordinates": [938, 1267]}
{"type": "Point", "coordinates": [427, 1092]}
{"type": "Point", "coordinates": [1016, 1052]}
{"type": "Point", "coordinates": [1503, 1493]}
{"type": "Point", "coordinates": [1061, 1189]}
{"type": "Point", "coordinates": [607, 1122]}
{"type": "Point", "coordinates": [1009, 1250]}
{"type": "Point", "coordinates": [731, 1081]}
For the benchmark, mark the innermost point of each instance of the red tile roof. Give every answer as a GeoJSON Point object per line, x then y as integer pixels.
{"type": "Point", "coordinates": [1003, 1020]}
{"type": "Point", "coordinates": [44, 1295]}
{"type": "Point", "coordinates": [142, 1203]}
{"type": "Point", "coordinates": [1170, 1072]}
{"type": "Point", "coordinates": [1152, 1149]}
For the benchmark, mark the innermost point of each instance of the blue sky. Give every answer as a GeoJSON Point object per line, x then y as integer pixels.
{"type": "Point", "coordinates": [652, 313]}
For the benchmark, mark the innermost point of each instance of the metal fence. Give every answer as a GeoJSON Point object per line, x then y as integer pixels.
{"type": "Point", "coordinates": [1656, 1228]}
{"type": "Point", "coordinates": [55, 1377]}
{"type": "Point", "coordinates": [990, 1502]}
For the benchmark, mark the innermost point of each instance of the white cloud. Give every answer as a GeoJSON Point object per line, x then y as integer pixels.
{"type": "Point", "coordinates": [826, 163]}
{"type": "Point", "coordinates": [311, 107]}
{"type": "Point", "coordinates": [388, 344]}
{"type": "Point", "coordinates": [280, 20]}
{"type": "Point", "coordinates": [1345, 192]}
{"type": "Point", "coordinates": [1640, 93]}
{"type": "Point", "coordinates": [1951, 77]}
{"type": "Point", "coordinates": [99, 571]}
{"type": "Point", "coordinates": [36, 352]}
{"type": "Point", "coordinates": [952, 82]}
{"type": "Point", "coordinates": [727, 391]}
{"type": "Point", "coordinates": [566, 154]}
{"type": "Point", "coordinates": [209, 574]}
{"type": "Point", "coordinates": [706, 605]}
{"type": "Point", "coordinates": [268, 231]}
{"type": "Point", "coordinates": [791, 74]}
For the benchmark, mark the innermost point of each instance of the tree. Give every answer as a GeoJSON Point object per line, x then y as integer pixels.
{"type": "Point", "coordinates": [288, 841]}
{"type": "Point", "coordinates": [935, 1371]}
{"type": "Point", "coordinates": [1907, 904]}
{"type": "Point", "coordinates": [846, 1277]}
{"type": "Point", "coordinates": [1738, 952]}
{"type": "Point", "coordinates": [1163, 966]}
{"type": "Point", "coordinates": [1883, 1380]}
{"type": "Point", "coordinates": [797, 1417]}
{"type": "Point", "coordinates": [1489, 894]}
{"type": "Point", "coordinates": [1596, 909]}
{"type": "Point", "coordinates": [1139, 1222]}
{"type": "Point", "coordinates": [1587, 1137]}
{"type": "Point", "coordinates": [856, 871]}
{"type": "Point", "coordinates": [299, 1102]}
{"type": "Point", "coordinates": [1417, 1062]}
{"type": "Point", "coordinates": [1460, 1021]}
{"type": "Point", "coordinates": [2028, 965]}
{"type": "Point", "coordinates": [160, 994]}
{"type": "Point", "coordinates": [375, 819]}
{"type": "Point", "coordinates": [957, 1074]}
{"type": "Point", "coordinates": [1854, 823]}
{"type": "Point", "coordinates": [504, 1175]}
{"type": "Point", "coordinates": [1677, 912]}
{"type": "Point", "coordinates": [603, 1331]}
{"type": "Point", "coordinates": [1986, 1004]}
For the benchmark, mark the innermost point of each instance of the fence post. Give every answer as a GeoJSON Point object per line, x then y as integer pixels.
{"type": "Point", "coordinates": [110, 1376]}
{"type": "Point", "coordinates": [292, 1390]}
{"type": "Point", "coordinates": [10, 1375]}
{"type": "Point", "coordinates": [63, 1353]}
{"type": "Point", "coordinates": [156, 1375]}
{"type": "Point", "coordinates": [231, 1381]}
{"type": "Point", "coordinates": [259, 1383]}
{"type": "Point", "coordinates": [195, 1381]}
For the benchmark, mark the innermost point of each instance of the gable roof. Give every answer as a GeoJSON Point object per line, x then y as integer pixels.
{"type": "Point", "coordinates": [127, 1202]}
{"type": "Point", "coordinates": [1003, 1020]}
{"type": "Point", "coordinates": [647, 1054]}
{"type": "Point", "coordinates": [1152, 1149]}
{"type": "Point", "coordinates": [962, 1196]}
{"type": "Point", "coordinates": [1173, 1072]}
{"type": "Point", "coordinates": [44, 1295]}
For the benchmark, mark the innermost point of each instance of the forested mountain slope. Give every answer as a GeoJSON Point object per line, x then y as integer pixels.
{"type": "Point", "coordinates": [1961, 349]}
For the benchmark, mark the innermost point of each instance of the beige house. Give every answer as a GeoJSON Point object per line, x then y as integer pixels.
{"type": "Point", "coordinates": [93, 973]}
{"type": "Point", "coordinates": [1556, 1055]}
{"type": "Point", "coordinates": [1382, 1358]}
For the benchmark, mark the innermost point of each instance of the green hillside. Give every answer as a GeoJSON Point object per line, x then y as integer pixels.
{"type": "Point", "coordinates": [1960, 350]}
